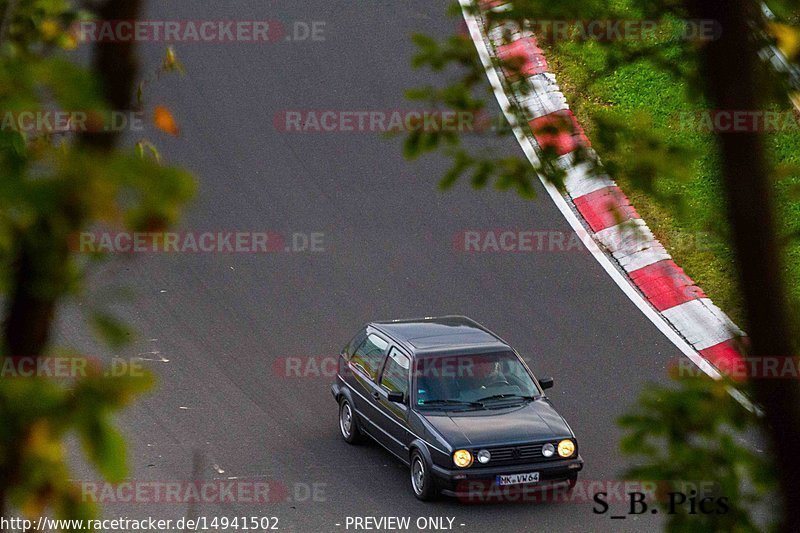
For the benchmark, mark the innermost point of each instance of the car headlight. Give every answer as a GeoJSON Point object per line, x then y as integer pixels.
{"type": "Point", "coordinates": [462, 458]}
{"type": "Point", "coordinates": [566, 448]}
{"type": "Point", "coordinates": [484, 456]}
{"type": "Point", "coordinates": [548, 450]}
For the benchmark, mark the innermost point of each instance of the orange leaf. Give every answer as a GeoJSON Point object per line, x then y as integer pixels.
{"type": "Point", "coordinates": [164, 121]}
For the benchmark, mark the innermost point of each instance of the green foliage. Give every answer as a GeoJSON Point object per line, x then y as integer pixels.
{"type": "Point", "coordinates": [115, 333]}
{"type": "Point", "coordinates": [38, 414]}
{"type": "Point", "coordinates": [483, 167]}
{"type": "Point", "coordinates": [656, 157]}
{"type": "Point", "coordinates": [54, 185]}
{"type": "Point", "coordinates": [682, 197]}
{"type": "Point", "coordinates": [691, 435]}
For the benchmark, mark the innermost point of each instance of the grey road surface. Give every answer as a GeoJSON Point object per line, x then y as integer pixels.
{"type": "Point", "coordinates": [217, 328]}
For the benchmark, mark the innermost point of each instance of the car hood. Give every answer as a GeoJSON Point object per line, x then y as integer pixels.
{"type": "Point", "coordinates": [536, 420]}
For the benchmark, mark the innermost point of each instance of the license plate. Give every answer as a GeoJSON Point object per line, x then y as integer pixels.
{"type": "Point", "coordinates": [518, 479]}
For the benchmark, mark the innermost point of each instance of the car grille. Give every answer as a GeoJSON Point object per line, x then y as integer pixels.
{"type": "Point", "coordinates": [520, 454]}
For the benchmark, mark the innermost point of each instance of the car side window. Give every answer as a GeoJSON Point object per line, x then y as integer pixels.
{"type": "Point", "coordinates": [369, 356]}
{"type": "Point", "coordinates": [395, 374]}
{"type": "Point", "coordinates": [354, 343]}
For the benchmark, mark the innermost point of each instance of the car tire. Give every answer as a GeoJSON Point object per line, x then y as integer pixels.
{"type": "Point", "coordinates": [348, 424]}
{"type": "Point", "coordinates": [422, 482]}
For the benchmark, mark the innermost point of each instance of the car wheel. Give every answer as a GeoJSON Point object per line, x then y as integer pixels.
{"type": "Point", "coordinates": [348, 425]}
{"type": "Point", "coordinates": [422, 479]}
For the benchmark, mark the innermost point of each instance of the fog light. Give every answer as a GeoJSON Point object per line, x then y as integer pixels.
{"type": "Point", "coordinates": [484, 456]}
{"type": "Point", "coordinates": [566, 448]}
{"type": "Point", "coordinates": [462, 458]}
{"type": "Point", "coordinates": [548, 450]}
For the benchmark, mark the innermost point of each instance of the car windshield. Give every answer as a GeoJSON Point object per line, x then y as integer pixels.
{"type": "Point", "coordinates": [471, 381]}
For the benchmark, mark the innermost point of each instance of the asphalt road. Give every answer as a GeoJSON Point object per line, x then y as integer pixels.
{"type": "Point", "coordinates": [222, 320]}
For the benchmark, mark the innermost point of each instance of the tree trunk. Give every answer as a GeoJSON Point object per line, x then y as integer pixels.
{"type": "Point", "coordinates": [734, 80]}
{"type": "Point", "coordinates": [39, 277]}
{"type": "Point", "coordinates": [117, 68]}
{"type": "Point", "coordinates": [40, 267]}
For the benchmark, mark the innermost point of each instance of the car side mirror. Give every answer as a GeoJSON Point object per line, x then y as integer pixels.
{"type": "Point", "coordinates": [396, 397]}
{"type": "Point", "coordinates": [546, 383]}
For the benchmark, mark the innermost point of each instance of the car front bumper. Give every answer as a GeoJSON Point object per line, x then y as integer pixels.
{"type": "Point", "coordinates": [465, 482]}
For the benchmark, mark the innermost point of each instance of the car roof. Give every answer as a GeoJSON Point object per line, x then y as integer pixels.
{"type": "Point", "coordinates": [445, 335]}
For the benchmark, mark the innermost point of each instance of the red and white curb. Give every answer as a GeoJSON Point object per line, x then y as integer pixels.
{"type": "Point", "coordinates": [593, 203]}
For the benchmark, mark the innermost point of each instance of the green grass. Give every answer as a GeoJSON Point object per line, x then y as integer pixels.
{"type": "Point", "coordinates": [694, 228]}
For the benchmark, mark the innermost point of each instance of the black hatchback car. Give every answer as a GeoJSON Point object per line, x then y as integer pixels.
{"type": "Point", "coordinates": [456, 403]}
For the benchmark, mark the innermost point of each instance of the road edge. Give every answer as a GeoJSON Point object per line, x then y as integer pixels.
{"type": "Point", "coordinates": [641, 268]}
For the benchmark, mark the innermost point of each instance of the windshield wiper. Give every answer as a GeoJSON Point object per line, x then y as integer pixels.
{"type": "Point", "coordinates": [504, 397]}
{"type": "Point", "coordinates": [451, 402]}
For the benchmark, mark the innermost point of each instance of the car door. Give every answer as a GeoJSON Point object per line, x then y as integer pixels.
{"type": "Point", "coordinates": [364, 366]}
{"type": "Point", "coordinates": [395, 377]}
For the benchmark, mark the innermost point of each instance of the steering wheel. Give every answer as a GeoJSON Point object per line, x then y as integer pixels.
{"type": "Point", "coordinates": [498, 382]}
